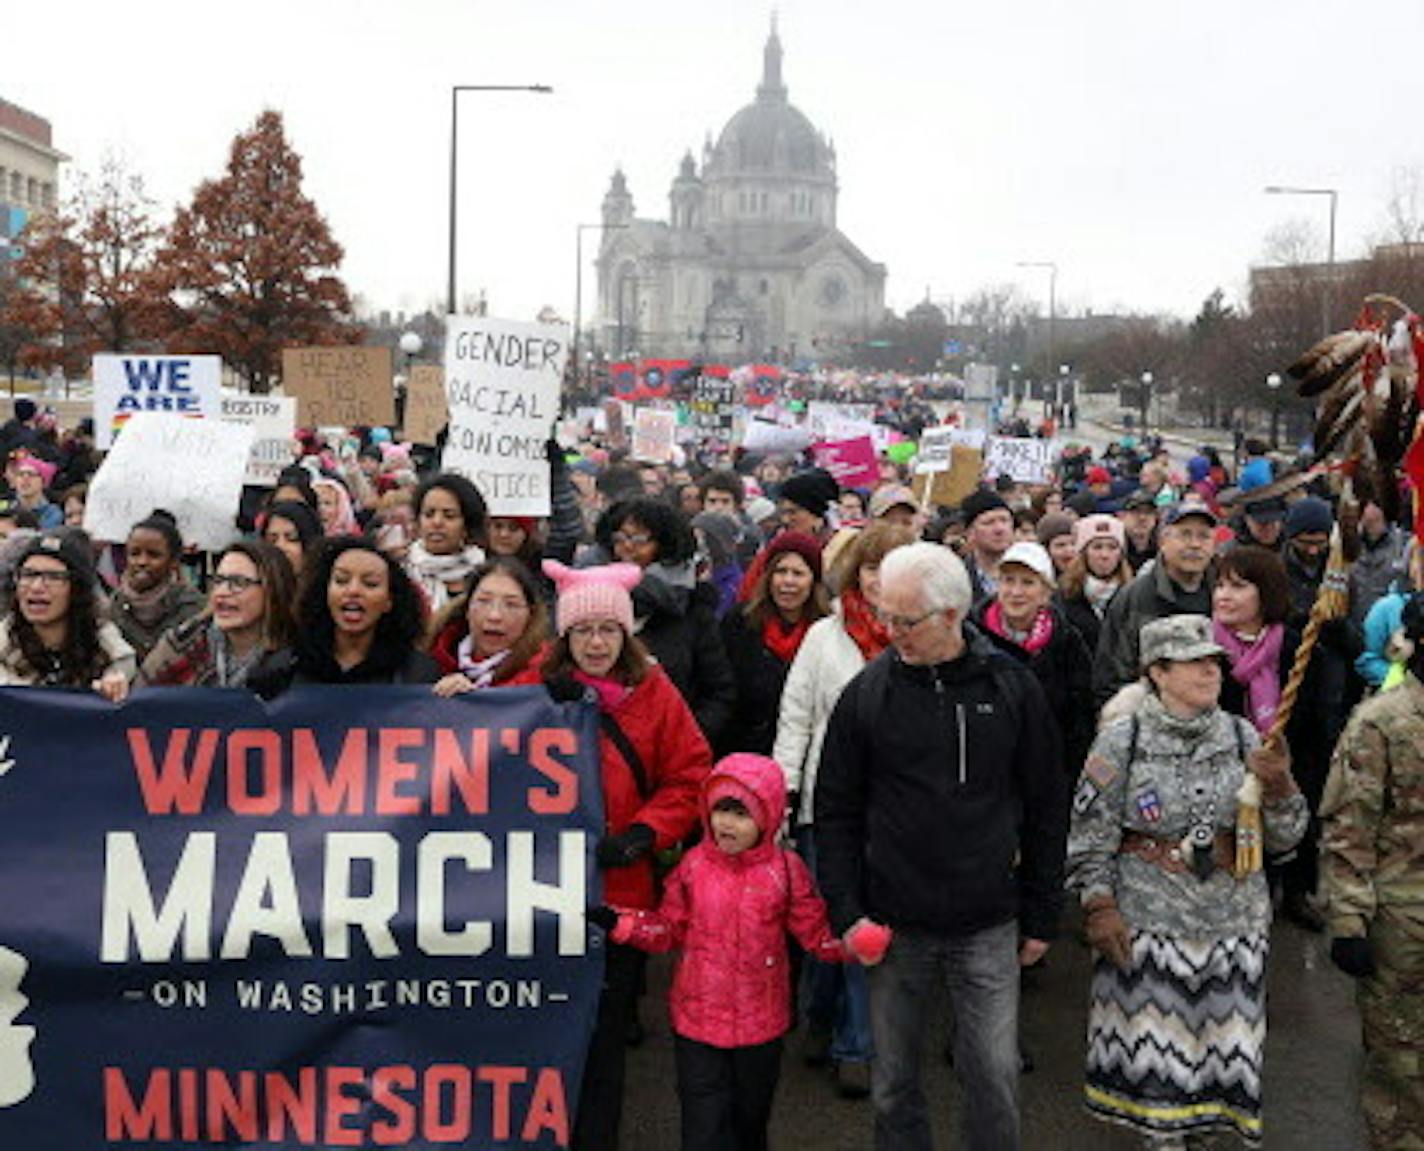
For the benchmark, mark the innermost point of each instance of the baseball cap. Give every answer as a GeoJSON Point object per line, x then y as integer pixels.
{"type": "Point", "coordinates": [893, 496]}
{"type": "Point", "coordinates": [1032, 556]}
{"type": "Point", "coordinates": [1183, 509]}
{"type": "Point", "coordinates": [1140, 500]}
{"type": "Point", "coordinates": [1271, 510]}
{"type": "Point", "coordinates": [1177, 638]}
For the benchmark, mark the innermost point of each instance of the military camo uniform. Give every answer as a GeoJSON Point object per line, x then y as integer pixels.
{"type": "Point", "coordinates": [1175, 1042]}
{"type": "Point", "coordinates": [1373, 868]}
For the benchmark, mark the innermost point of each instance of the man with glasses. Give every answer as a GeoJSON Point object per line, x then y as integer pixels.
{"type": "Point", "coordinates": [941, 815]}
{"type": "Point", "coordinates": [1178, 583]}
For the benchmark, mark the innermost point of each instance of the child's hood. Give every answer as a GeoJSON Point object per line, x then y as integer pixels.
{"type": "Point", "coordinates": [757, 781]}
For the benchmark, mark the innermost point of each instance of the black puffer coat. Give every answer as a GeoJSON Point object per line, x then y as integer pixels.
{"type": "Point", "coordinates": [679, 626]}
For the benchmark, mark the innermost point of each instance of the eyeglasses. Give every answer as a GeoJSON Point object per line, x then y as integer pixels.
{"type": "Point", "coordinates": [637, 539]}
{"type": "Point", "coordinates": [508, 606]}
{"type": "Point", "coordinates": [49, 578]}
{"type": "Point", "coordinates": [904, 622]}
{"type": "Point", "coordinates": [237, 583]}
{"type": "Point", "coordinates": [604, 631]}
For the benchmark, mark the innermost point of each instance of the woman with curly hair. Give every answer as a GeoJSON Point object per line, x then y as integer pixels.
{"type": "Point", "coordinates": [451, 527]}
{"type": "Point", "coordinates": [52, 635]}
{"type": "Point", "coordinates": [492, 632]}
{"type": "Point", "coordinates": [359, 620]}
{"type": "Point", "coordinates": [675, 614]}
{"type": "Point", "coordinates": [248, 624]}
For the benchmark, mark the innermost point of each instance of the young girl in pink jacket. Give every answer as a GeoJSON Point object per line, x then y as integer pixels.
{"type": "Point", "coordinates": [728, 906]}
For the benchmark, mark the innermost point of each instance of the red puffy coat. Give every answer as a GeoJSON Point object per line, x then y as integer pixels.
{"type": "Point", "coordinates": [676, 759]}
{"type": "Point", "coordinates": [730, 914]}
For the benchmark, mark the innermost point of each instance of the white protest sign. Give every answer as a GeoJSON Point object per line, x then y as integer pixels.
{"type": "Point", "coordinates": [123, 385]}
{"type": "Point", "coordinates": [654, 434]}
{"type": "Point", "coordinates": [1027, 461]}
{"type": "Point", "coordinates": [273, 420]}
{"type": "Point", "coordinates": [832, 421]}
{"type": "Point", "coordinates": [937, 444]}
{"type": "Point", "coordinates": [192, 468]}
{"type": "Point", "coordinates": [765, 436]}
{"type": "Point", "coordinates": [502, 381]}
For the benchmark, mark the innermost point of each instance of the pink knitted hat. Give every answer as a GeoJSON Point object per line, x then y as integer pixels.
{"type": "Point", "coordinates": [587, 594]}
{"type": "Point", "coordinates": [1098, 527]}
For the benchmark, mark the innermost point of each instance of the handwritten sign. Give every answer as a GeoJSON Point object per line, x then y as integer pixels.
{"type": "Point", "coordinates": [714, 405]}
{"type": "Point", "coordinates": [773, 438]}
{"type": "Point", "coordinates": [273, 420]}
{"type": "Point", "coordinates": [340, 386]}
{"type": "Point", "coordinates": [425, 410]}
{"type": "Point", "coordinates": [654, 434]}
{"type": "Point", "coordinates": [502, 382]}
{"type": "Point", "coordinates": [831, 421]}
{"type": "Point", "coordinates": [192, 468]}
{"type": "Point", "coordinates": [951, 485]}
{"type": "Point", "coordinates": [852, 462]}
{"type": "Point", "coordinates": [1027, 460]}
{"type": "Point", "coordinates": [125, 385]}
{"type": "Point", "coordinates": [936, 444]}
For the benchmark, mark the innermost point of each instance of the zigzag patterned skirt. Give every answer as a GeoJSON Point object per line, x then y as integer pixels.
{"type": "Point", "coordinates": [1175, 1044]}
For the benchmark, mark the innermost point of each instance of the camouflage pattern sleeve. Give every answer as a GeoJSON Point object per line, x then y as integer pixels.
{"type": "Point", "coordinates": [1096, 827]}
{"type": "Point", "coordinates": [1350, 814]}
{"type": "Point", "coordinates": [1284, 822]}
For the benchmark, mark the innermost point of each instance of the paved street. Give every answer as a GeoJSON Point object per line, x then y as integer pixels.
{"type": "Point", "coordinates": [1311, 1067]}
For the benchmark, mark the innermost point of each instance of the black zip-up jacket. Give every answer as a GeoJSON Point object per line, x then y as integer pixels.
{"type": "Point", "coordinates": [940, 803]}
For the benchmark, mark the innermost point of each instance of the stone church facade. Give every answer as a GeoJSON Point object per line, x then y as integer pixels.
{"type": "Point", "coordinates": [750, 264]}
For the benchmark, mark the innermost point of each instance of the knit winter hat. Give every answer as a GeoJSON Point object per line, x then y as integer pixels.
{"type": "Point", "coordinates": [587, 594]}
{"type": "Point", "coordinates": [72, 548]}
{"type": "Point", "coordinates": [1053, 525]}
{"type": "Point", "coordinates": [814, 490]}
{"type": "Point", "coordinates": [25, 409]}
{"type": "Point", "coordinates": [1099, 475]}
{"type": "Point", "coordinates": [1309, 515]}
{"type": "Point", "coordinates": [1098, 527]}
{"type": "Point", "coordinates": [21, 461]}
{"type": "Point", "coordinates": [980, 501]}
{"type": "Point", "coordinates": [800, 543]}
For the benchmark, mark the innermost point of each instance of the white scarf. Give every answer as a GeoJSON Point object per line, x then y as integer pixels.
{"type": "Point", "coordinates": [480, 672]}
{"type": "Point", "coordinates": [435, 573]}
{"type": "Point", "coordinates": [1098, 592]}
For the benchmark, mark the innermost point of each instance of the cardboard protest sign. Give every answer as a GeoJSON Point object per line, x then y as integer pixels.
{"type": "Point", "coordinates": [853, 463]}
{"type": "Point", "coordinates": [274, 426]}
{"type": "Point", "coordinates": [425, 410]}
{"type": "Point", "coordinates": [951, 486]}
{"type": "Point", "coordinates": [654, 435]}
{"type": "Point", "coordinates": [1027, 460]}
{"type": "Point", "coordinates": [124, 385]}
{"type": "Point", "coordinates": [502, 382]}
{"type": "Point", "coordinates": [192, 468]}
{"type": "Point", "coordinates": [279, 926]}
{"type": "Point", "coordinates": [714, 405]}
{"type": "Point", "coordinates": [340, 386]}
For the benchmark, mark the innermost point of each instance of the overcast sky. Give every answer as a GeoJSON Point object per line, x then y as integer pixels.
{"type": "Point", "coordinates": [1128, 142]}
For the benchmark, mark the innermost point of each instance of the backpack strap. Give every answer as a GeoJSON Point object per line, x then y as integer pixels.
{"type": "Point", "coordinates": [626, 750]}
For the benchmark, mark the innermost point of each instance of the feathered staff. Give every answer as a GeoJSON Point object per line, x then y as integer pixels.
{"type": "Point", "coordinates": [1367, 431]}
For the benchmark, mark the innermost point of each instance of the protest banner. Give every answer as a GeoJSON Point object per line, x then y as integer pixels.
{"type": "Point", "coordinates": [192, 468]}
{"type": "Point", "coordinates": [425, 410]}
{"type": "Point", "coordinates": [714, 405]}
{"type": "Point", "coordinates": [274, 426]}
{"type": "Point", "coordinates": [654, 434]}
{"type": "Point", "coordinates": [936, 442]}
{"type": "Point", "coordinates": [351, 917]}
{"type": "Point", "coordinates": [772, 438]}
{"type": "Point", "coordinates": [950, 486]}
{"type": "Point", "coordinates": [343, 386]}
{"type": "Point", "coordinates": [1027, 460]}
{"type": "Point", "coordinates": [502, 383]}
{"type": "Point", "coordinates": [832, 421]}
{"type": "Point", "coordinates": [123, 385]}
{"type": "Point", "coordinates": [853, 463]}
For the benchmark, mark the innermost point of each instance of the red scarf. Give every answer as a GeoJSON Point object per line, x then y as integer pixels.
{"type": "Point", "coordinates": [862, 625]}
{"type": "Point", "coordinates": [783, 640]}
{"type": "Point", "coordinates": [1039, 633]}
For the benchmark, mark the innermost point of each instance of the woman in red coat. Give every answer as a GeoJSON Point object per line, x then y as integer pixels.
{"type": "Point", "coordinates": [653, 759]}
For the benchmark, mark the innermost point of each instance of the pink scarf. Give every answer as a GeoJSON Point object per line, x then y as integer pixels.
{"type": "Point", "coordinates": [1039, 632]}
{"type": "Point", "coordinates": [611, 693]}
{"type": "Point", "coordinates": [1255, 665]}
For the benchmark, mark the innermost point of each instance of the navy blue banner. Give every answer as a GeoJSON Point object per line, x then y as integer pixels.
{"type": "Point", "coordinates": [350, 918]}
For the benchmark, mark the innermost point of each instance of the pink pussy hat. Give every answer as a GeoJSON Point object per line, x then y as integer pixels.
{"type": "Point", "coordinates": [587, 594]}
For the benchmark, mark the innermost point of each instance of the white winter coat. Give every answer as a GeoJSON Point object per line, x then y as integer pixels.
{"type": "Point", "coordinates": [827, 661]}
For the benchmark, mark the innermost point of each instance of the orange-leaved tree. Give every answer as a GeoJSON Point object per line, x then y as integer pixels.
{"type": "Point", "coordinates": [250, 267]}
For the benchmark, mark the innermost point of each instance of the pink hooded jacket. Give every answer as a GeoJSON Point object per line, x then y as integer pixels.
{"type": "Point", "coordinates": [729, 915]}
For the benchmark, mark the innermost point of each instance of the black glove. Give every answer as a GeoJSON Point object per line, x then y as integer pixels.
{"type": "Point", "coordinates": [626, 848]}
{"type": "Point", "coordinates": [1354, 956]}
{"type": "Point", "coordinates": [603, 917]}
{"type": "Point", "coordinates": [554, 453]}
{"type": "Point", "coordinates": [566, 689]}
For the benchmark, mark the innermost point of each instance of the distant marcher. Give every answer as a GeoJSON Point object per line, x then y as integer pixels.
{"type": "Point", "coordinates": [1098, 571]}
{"type": "Point", "coordinates": [293, 529]}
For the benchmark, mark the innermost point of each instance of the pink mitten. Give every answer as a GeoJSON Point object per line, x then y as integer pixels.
{"type": "Point", "coordinates": [623, 929]}
{"type": "Point", "coordinates": [868, 941]}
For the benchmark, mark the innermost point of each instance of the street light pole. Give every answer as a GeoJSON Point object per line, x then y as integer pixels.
{"type": "Point", "coordinates": [455, 91]}
{"type": "Point", "coordinates": [1327, 296]}
{"type": "Point", "coordinates": [1144, 397]}
{"type": "Point", "coordinates": [1273, 381]}
{"type": "Point", "coordinates": [580, 229]}
{"type": "Point", "coordinates": [1052, 304]}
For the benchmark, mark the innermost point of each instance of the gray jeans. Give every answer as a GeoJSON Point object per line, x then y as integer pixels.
{"type": "Point", "coordinates": [981, 972]}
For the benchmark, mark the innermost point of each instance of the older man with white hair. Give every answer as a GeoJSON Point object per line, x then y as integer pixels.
{"type": "Point", "coordinates": [941, 815]}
